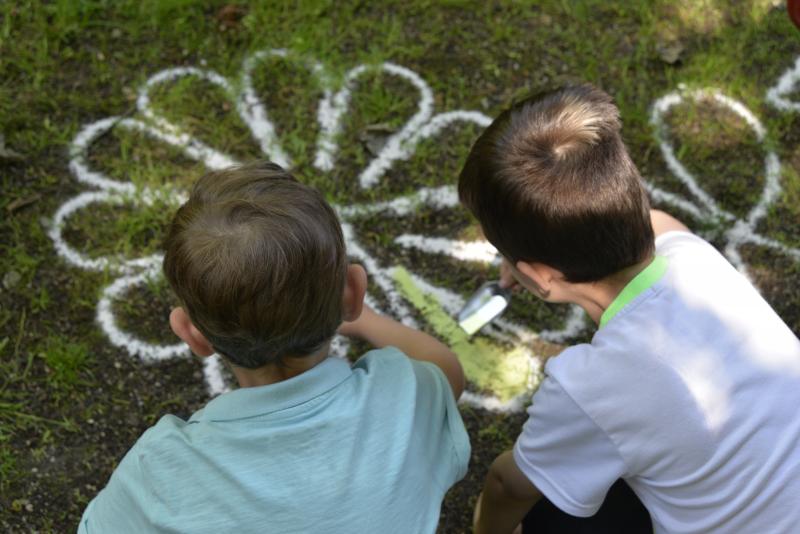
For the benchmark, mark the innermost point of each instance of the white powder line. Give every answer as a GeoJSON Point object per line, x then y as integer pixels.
{"type": "Point", "coordinates": [331, 112]}
{"type": "Point", "coordinates": [439, 198]}
{"type": "Point", "coordinates": [477, 251]}
{"type": "Point", "coordinates": [212, 372]}
{"type": "Point", "coordinates": [63, 248]}
{"type": "Point", "coordinates": [659, 109]}
{"type": "Point", "coordinates": [786, 84]}
{"type": "Point", "coordinates": [758, 239]}
{"type": "Point", "coordinates": [772, 189]}
{"type": "Point", "coordinates": [450, 301]}
{"type": "Point", "coordinates": [575, 322]}
{"type": "Point", "coordinates": [168, 75]}
{"type": "Point", "coordinates": [171, 133]}
{"type": "Point", "coordinates": [382, 277]}
{"type": "Point", "coordinates": [442, 120]}
{"type": "Point", "coordinates": [396, 146]}
{"type": "Point", "coordinates": [253, 111]}
{"type": "Point", "coordinates": [147, 352]}
{"type": "Point", "coordinates": [370, 301]}
{"type": "Point", "coordinates": [90, 133]}
{"type": "Point", "coordinates": [191, 147]}
{"type": "Point", "coordinates": [78, 153]}
{"type": "Point", "coordinates": [732, 253]}
{"type": "Point", "coordinates": [492, 403]}
{"type": "Point", "coordinates": [671, 198]}
{"type": "Point", "coordinates": [78, 259]}
{"type": "Point", "coordinates": [742, 231]}
{"type": "Point", "coordinates": [339, 347]}
{"type": "Point", "coordinates": [406, 144]}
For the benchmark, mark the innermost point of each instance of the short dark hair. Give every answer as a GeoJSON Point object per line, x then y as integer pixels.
{"type": "Point", "coordinates": [550, 180]}
{"type": "Point", "coordinates": [258, 260]}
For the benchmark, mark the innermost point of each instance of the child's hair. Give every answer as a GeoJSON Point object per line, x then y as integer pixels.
{"type": "Point", "coordinates": [258, 261]}
{"type": "Point", "coordinates": [551, 181]}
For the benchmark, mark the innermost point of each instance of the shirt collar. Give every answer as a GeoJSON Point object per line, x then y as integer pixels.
{"type": "Point", "coordinates": [260, 400]}
{"type": "Point", "coordinates": [641, 282]}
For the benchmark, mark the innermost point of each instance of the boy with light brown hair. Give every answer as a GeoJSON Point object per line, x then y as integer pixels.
{"type": "Point", "coordinates": [689, 389]}
{"type": "Point", "coordinates": [307, 443]}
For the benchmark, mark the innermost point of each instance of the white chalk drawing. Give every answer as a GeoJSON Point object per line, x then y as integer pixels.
{"type": "Point", "coordinates": [740, 232]}
{"type": "Point", "coordinates": [777, 95]}
{"type": "Point", "coordinates": [332, 109]}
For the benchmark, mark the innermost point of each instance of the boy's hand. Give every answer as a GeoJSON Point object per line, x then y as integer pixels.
{"type": "Point", "coordinates": [358, 327]}
{"type": "Point", "coordinates": [382, 331]}
{"type": "Point", "coordinates": [507, 279]}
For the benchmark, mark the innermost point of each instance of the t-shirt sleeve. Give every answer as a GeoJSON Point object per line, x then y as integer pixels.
{"type": "Point", "coordinates": [565, 454]}
{"type": "Point", "coordinates": [674, 242]}
{"type": "Point", "coordinates": [119, 506]}
{"type": "Point", "coordinates": [439, 420]}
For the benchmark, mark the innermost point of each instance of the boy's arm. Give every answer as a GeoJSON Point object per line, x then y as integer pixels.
{"type": "Point", "coordinates": [664, 222]}
{"type": "Point", "coordinates": [507, 497]}
{"type": "Point", "coordinates": [381, 331]}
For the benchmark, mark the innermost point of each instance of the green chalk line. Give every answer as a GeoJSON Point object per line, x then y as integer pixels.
{"type": "Point", "coordinates": [502, 371]}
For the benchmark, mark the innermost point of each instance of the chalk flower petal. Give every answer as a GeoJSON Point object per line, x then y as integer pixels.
{"type": "Point", "coordinates": [704, 206]}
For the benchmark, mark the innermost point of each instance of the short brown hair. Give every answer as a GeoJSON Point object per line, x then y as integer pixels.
{"type": "Point", "coordinates": [258, 260]}
{"type": "Point", "coordinates": [551, 181]}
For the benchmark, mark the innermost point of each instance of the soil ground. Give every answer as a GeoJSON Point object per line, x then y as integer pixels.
{"type": "Point", "coordinates": [72, 404]}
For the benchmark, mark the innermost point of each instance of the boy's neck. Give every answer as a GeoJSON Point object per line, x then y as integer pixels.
{"type": "Point", "coordinates": [273, 373]}
{"type": "Point", "coordinates": [596, 297]}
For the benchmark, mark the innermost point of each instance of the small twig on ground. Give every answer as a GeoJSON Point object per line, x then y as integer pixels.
{"type": "Point", "coordinates": [24, 202]}
{"type": "Point", "coordinates": [20, 331]}
{"type": "Point", "coordinates": [7, 153]}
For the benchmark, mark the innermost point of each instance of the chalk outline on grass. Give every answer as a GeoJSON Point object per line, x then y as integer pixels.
{"type": "Point", "coordinates": [400, 146]}
{"type": "Point", "coordinates": [332, 108]}
{"type": "Point", "coordinates": [741, 232]}
{"type": "Point", "coordinates": [788, 82]}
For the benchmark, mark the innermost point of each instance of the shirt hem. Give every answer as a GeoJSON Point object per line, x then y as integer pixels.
{"type": "Point", "coordinates": [550, 490]}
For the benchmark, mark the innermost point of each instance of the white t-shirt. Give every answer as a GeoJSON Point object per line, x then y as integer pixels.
{"type": "Point", "coordinates": [691, 393]}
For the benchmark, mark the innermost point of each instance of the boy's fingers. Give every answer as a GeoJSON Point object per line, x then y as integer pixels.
{"type": "Point", "coordinates": [507, 280]}
{"type": "Point", "coordinates": [347, 329]}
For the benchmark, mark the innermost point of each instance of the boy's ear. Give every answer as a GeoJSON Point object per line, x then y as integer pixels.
{"type": "Point", "coordinates": [182, 326]}
{"type": "Point", "coordinates": [354, 290]}
{"type": "Point", "coordinates": [539, 277]}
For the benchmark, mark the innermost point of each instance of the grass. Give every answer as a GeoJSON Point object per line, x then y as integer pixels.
{"type": "Point", "coordinates": [66, 63]}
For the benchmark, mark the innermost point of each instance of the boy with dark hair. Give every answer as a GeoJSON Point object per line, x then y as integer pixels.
{"type": "Point", "coordinates": [689, 389]}
{"type": "Point", "coordinates": [307, 443]}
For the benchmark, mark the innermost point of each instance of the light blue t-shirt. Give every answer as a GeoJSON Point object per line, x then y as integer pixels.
{"type": "Point", "coordinates": [372, 448]}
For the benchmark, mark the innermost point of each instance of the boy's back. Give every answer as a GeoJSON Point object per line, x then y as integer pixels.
{"type": "Point", "coordinates": [306, 444]}
{"type": "Point", "coordinates": [690, 392]}
{"type": "Point", "coordinates": [330, 450]}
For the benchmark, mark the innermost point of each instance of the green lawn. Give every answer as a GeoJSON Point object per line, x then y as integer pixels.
{"type": "Point", "coordinates": [75, 395]}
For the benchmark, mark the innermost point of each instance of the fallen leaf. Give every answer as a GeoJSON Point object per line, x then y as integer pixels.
{"type": "Point", "coordinates": [230, 15]}
{"type": "Point", "coordinates": [670, 51]}
{"type": "Point", "coordinates": [374, 137]}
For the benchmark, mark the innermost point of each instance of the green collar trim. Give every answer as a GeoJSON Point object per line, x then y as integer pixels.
{"type": "Point", "coordinates": [642, 281]}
